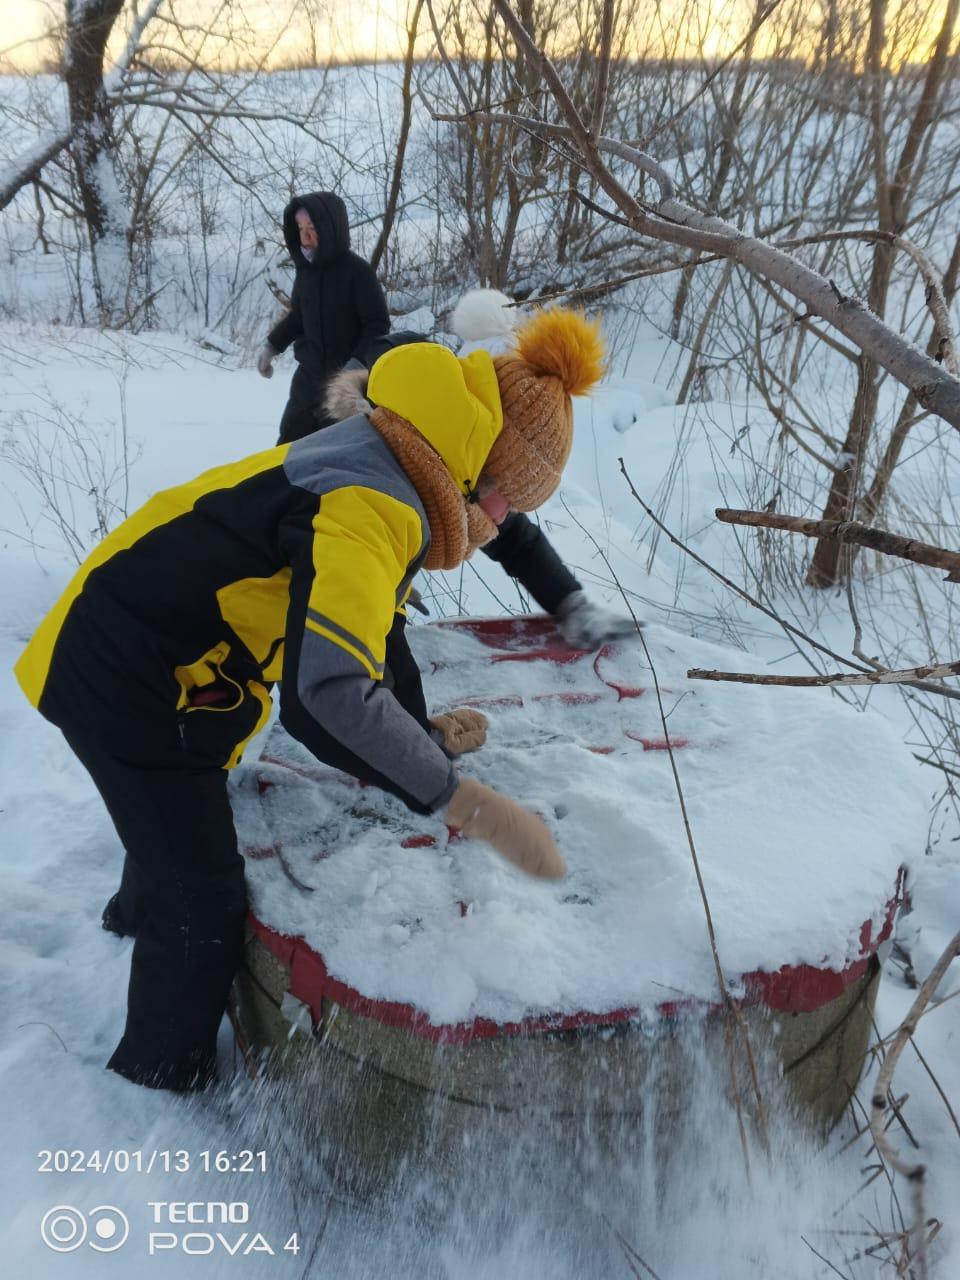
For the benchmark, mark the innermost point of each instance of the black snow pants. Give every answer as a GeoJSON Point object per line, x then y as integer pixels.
{"type": "Point", "coordinates": [304, 412]}
{"type": "Point", "coordinates": [183, 897]}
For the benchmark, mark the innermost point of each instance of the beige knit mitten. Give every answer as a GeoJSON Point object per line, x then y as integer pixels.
{"type": "Point", "coordinates": [464, 729]}
{"type": "Point", "coordinates": [483, 814]}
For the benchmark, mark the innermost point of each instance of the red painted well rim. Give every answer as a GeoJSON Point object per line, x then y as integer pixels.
{"type": "Point", "coordinates": [790, 989]}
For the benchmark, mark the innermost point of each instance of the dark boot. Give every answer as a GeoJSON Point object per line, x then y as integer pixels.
{"type": "Point", "coordinates": [191, 1075]}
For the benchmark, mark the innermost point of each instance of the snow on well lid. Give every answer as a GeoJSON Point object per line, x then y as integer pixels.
{"type": "Point", "coordinates": [802, 810]}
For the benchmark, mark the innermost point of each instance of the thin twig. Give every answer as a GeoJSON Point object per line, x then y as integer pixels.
{"type": "Point", "coordinates": [755, 26]}
{"type": "Point", "coordinates": [629, 1252]}
{"type": "Point", "coordinates": [936, 1084]}
{"type": "Point", "coordinates": [36, 1023]}
{"type": "Point", "coordinates": [730, 1003]}
{"type": "Point", "coordinates": [827, 1261]}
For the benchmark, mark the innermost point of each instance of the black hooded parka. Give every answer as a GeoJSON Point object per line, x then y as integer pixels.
{"type": "Point", "coordinates": [337, 308]}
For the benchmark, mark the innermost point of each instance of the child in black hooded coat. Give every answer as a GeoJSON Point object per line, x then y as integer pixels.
{"type": "Point", "coordinates": [337, 308]}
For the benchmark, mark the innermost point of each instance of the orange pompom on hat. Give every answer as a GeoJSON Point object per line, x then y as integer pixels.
{"type": "Point", "coordinates": [556, 354]}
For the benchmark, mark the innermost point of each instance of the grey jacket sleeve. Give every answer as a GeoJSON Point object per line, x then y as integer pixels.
{"type": "Point", "coordinates": [367, 720]}
{"type": "Point", "coordinates": [348, 569]}
{"type": "Point", "coordinates": [329, 702]}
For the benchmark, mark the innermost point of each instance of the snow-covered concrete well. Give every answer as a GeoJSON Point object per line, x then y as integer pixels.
{"type": "Point", "coordinates": [431, 987]}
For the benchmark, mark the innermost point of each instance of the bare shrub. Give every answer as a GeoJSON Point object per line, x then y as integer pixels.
{"type": "Point", "coordinates": [78, 474]}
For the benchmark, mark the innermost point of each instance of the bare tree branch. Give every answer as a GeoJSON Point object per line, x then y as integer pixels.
{"type": "Point", "coordinates": [879, 1102]}
{"type": "Point", "coordinates": [30, 163]}
{"type": "Point", "coordinates": [671, 220]}
{"type": "Point", "coordinates": [936, 299]}
{"type": "Point", "coordinates": [889, 544]}
{"type": "Point", "coordinates": [936, 672]}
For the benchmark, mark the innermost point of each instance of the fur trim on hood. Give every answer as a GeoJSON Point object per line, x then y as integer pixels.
{"type": "Point", "coordinates": [346, 394]}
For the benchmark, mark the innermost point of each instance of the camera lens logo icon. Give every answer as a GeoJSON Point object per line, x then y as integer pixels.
{"type": "Point", "coordinates": [64, 1228]}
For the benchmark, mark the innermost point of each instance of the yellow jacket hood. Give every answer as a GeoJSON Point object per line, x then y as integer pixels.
{"type": "Point", "coordinates": [454, 403]}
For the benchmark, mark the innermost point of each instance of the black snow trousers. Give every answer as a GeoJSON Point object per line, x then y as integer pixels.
{"type": "Point", "coordinates": [304, 412]}
{"type": "Point", "coordinates": [527, 554]}
{"type": "Point", "coordinates": [183, 896]}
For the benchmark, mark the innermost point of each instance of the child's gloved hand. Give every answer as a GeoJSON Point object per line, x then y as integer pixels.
{"type": "Point", "coordinates": [265, 358]}
{"type": "Point", "coordinates": [461, 730]}
{"type": "Point", "coordinates": [585, 625]}
{"type": "Point", "coordinates": [483, 814]}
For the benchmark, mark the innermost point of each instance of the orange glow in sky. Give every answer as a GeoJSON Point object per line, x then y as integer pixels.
{"type": "Point", "coordinates": [343, 30]}
{"type": "Point", "coordinates": [297, 31]}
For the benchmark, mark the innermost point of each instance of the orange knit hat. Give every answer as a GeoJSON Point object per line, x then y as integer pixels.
{"type": "Point", "coordinates": [557, 354]}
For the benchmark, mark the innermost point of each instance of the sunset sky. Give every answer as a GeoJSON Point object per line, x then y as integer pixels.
{"type": "Point", "coordinates": [355, 29]}
{"type": "Point", "coordinates": [345, 30]}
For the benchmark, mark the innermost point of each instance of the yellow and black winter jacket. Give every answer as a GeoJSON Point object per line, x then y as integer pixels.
{"type": "Point", "coordinates": [291, 566]}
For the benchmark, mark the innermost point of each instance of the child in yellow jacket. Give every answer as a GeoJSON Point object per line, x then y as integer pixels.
{"type": "Point", "coordinates": [292, 567]}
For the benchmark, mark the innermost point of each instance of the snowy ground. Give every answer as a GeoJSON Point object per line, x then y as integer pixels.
{"type": "Point", "coordinates": [62, 980]}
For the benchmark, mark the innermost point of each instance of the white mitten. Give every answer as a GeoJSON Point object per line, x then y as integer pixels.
{"type": "Point", "coordinates": [585, 625]}
{"type": "Point", "coordinates": [265, 358]}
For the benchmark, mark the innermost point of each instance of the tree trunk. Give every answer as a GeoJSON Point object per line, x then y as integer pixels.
{"type": "Point", "coordinates": [909, 414]}
{"type": "Point", "coordinates": [825, 565]}
{"type": "Point", "coordinates": [393, 197]}
{"type": "Point", "coordinates": [893, 206]}
{"type": "Point", "coordinates": [89, 23]}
